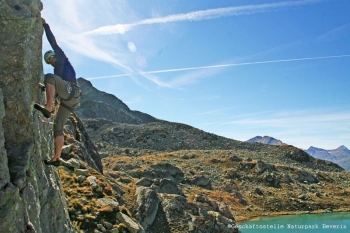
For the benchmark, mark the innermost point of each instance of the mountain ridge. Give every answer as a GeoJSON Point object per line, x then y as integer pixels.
{"type": "Point", "coordinates": [340, 155]}
{"type": "Point", "coordinates": [99, 104]}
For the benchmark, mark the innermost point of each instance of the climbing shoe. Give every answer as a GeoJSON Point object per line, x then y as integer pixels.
{"type": "Point", "coordinates": [52, 162]}
{"type": "Point", "coordinates": [43, 110]}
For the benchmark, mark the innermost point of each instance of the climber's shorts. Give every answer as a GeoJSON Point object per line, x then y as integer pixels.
{"type": "Point", "coordinates": [66, 107]}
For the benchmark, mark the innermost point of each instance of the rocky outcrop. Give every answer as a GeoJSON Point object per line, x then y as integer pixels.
{"type": "Point", "coordinates": [4, 170]}
{"type": "Point", "coordinates": [298, 155]}
{"type": "Point", "coordinates": [98, 104]}
{"type": "Point", "coordinates": [306, 177]}
{"type": "Point", "coordinates": [148, 201]}
{"type": "Point", "coordinates": [201, 215]}
{"type": "Point", "coordinates": [30, 194]}
{"type": "Point", "coordinates": [94, 202]}
{"type": "Point", "coordinates": [82, 144]}
{"type": "Point", "coordinates": [174, 213]}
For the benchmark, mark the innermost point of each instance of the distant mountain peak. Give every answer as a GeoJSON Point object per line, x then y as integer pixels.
{"type": "Point", "coordinates": [266, 140]}
{"type": "Point", "coordinates": [315, 149]}
{"type": "Point", "coordinates": [342, 147]}
{"type": "Point", "coordinates": [341, 155]}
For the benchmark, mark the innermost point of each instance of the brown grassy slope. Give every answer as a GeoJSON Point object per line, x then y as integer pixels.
{"type": "Point", "coordinates": [254, 180]}
{"type": "Point", "coordinates": [83, 208]}
{"type": "Point", "coordinates": [238, 179]}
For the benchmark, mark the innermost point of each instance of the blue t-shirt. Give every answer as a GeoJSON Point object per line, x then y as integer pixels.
{"type": "Point", "coordinates": [63, 68]}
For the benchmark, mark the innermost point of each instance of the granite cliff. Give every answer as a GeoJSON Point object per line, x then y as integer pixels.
{"type": "Point", "coordinates": [30, 197]}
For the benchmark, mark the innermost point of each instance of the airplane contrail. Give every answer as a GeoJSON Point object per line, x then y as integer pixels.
{"type": "Point", "coordinates": [221, 66]}
{"type": "Point", "coordinates": [199, 15]}
{"type": "Point", "coordinates": [241, 64]}
{"type": "Point", "coordinates": [109, 76]}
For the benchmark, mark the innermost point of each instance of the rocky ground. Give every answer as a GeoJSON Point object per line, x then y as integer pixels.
{"type": "Point", "coordinates": [240, 180]}
{"type": "Point", "coordinates": [153, 199]}
{"type": "Point", "coordinates": [170, 177]}
{"type": "Point", "coordinates": [148, 190]}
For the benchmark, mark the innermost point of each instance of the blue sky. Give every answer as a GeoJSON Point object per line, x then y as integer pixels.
{"type": "Point", "coordinates": [233, 68]}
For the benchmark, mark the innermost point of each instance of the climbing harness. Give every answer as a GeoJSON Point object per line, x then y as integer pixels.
{"type": "Point", "coordinates": [72, 89]}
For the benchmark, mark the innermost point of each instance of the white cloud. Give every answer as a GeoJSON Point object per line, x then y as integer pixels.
{"type": "Point", "coordinates": [202, 71]}
{"type": "Point", "coordinates": [200, 15]}
{"type": "Point", "coordinates": [70, 19]}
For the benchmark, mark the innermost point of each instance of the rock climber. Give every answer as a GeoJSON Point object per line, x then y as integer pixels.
{"type": "Point", "coordinates": [61, 84]}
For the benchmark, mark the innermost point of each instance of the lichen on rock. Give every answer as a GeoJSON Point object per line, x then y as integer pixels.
{"type": "Point", "coordinates": [30, 195]}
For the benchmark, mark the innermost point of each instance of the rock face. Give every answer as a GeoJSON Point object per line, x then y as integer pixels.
{"type": "Point", "coordinates": [97, 104]}
{"type": "Point", "coordinates": [82, 143]}
{"type": "Point", "coordinates": [30, 194]}
{"type": "Point", "coordinates": [147, 200]}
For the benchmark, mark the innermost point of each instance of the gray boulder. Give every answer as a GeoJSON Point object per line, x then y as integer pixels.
{"type": "Point", "coordinates": [108, 202]}
{"type": "Point", "coordinates": [130, 224]}
{"type": "Point", "coordinates": [169, 186]}
{"type": "Point", "coordinates": [184, 216]}
{"type": "Point", "coordinates": [147, 201]}
{"type": "Point", "coordinates": [203, 182]}
{"type": "Point", "coordinates": [170, 170]}
{"type": "Point", "coordinates": [144, 182]}
{"type": "Point", "coordinates": [298, 155]}
{"type": "Point", "coordinates": [307, 177]}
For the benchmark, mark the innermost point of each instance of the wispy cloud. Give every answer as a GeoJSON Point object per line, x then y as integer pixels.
{"type": "Point", "coordinates": [191, 78]}
{"type": "Point", "coordinates": [209, 97]}
{"type": "Point", "coordinates": [72, 27]}
{"type": "Point", "coordinates": [341, 31]}
{"type": "Point", "coordinates": [67, 26]}
{"type": "Point", "coordinates": [200, 15]}
{"type": "Point", "coordinates": [109, 76]}
{"type": "Point", "coordinates": [215, 111]}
